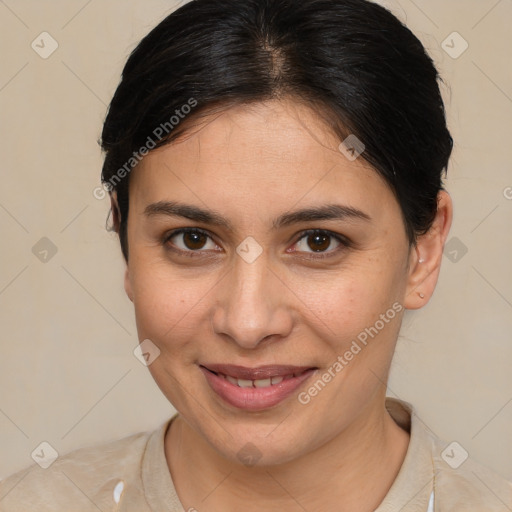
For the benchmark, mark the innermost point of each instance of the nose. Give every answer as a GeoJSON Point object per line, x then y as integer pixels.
{"type": "Point", "coordinates": [251, 306]}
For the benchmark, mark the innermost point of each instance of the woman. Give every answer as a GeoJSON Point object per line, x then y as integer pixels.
{"type": "Point", "coordinates": [275, 170]}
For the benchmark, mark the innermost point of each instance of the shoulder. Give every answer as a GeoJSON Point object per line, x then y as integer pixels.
{"type": "Point", "coordinates": [463, 483]}
{"type": "Point", "coordinates": [459, 481]}
{"type": "Point", "coordinates": [83, 479]}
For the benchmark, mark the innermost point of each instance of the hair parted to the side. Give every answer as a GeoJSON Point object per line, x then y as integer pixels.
{"type": "Point", "coordinates": [350, 59]}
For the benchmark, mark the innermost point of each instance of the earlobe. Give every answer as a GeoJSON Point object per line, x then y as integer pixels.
{"type": "Point", "coordinates": [425, 258]}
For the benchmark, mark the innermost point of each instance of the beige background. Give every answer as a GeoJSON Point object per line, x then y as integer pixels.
{"type": "Point", "coordinates": [68, 375]}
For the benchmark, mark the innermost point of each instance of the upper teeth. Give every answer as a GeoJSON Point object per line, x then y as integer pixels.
{"type": "Point", "coordinates": [259, 383]}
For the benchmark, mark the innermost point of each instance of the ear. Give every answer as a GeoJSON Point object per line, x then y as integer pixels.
{"type": "Point", "coordinates": [116, 213]}
{"type": "Point", "coordinates": [116, 219]}
{"type": "Point", "coordinates": [128, 284]}
{"type": "Point", "coordinates": [425, 258]}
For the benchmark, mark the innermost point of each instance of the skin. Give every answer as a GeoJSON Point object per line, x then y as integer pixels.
{"type": "Point", "coordinates": [342, 450]}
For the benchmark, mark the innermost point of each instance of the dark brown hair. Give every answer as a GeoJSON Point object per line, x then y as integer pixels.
{"type": "Point", "coordinates": [352, 57]}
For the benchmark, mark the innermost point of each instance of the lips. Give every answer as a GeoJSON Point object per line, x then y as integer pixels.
{"type": "Point", "coordinates": [255, 388]}
{"type": "Point", "coordinates": [261, 372]}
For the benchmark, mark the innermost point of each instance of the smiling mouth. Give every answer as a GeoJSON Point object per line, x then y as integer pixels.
{"type": "Point", "coordinates": [255, 389]}
{"type": "Point", "coordinates": [258, 383]}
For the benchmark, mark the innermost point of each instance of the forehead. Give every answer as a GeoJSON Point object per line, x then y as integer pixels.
{"type": "Point", "coordinates": [251, 158]}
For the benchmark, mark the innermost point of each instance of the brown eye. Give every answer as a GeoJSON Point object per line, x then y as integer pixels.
{"type": "Point", "coordinates": [320, 241]}
{"type": "Point", "coordinates": [194, 240]}
{"type": "Point", "coordinates": [190, 240]}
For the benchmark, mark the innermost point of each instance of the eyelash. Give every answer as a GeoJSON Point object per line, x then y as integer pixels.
{"type": "Point", "coordinates": [344, 242]}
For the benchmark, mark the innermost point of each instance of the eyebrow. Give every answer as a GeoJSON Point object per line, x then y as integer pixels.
{"type": "Point", "coordinates": [206, 216]}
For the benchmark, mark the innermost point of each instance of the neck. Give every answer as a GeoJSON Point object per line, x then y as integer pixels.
{"type": "Point", "coordinates": [354, 471]}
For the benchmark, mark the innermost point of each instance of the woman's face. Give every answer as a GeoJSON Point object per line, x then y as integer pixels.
{"type": "Point", "coordinates": [250, 291]}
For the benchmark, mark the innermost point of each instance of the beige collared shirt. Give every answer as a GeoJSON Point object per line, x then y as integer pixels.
{"type": "Point", "coordinates": [131, 475]}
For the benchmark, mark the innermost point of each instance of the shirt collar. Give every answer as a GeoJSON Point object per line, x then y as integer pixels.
{"type": "Point", "coordinates": [414, 483]}
{"type": "Point", "coordinates": [410, 491]}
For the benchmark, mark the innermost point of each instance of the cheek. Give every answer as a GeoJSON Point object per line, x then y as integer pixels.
{"type": "Point", "coordinates": [168, 307]}
{"type": "Point", "coordinates": [175, 306]}
{"type": "Point", "coordinates": [358, 318]}
{"type": "Point", "coordinates": [353, 297]}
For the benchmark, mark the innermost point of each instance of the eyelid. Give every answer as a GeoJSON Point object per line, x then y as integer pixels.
{"type": "Point", "coordinates": [344, 241]}
{"type": "Point", "coordinates": [180, 231]}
